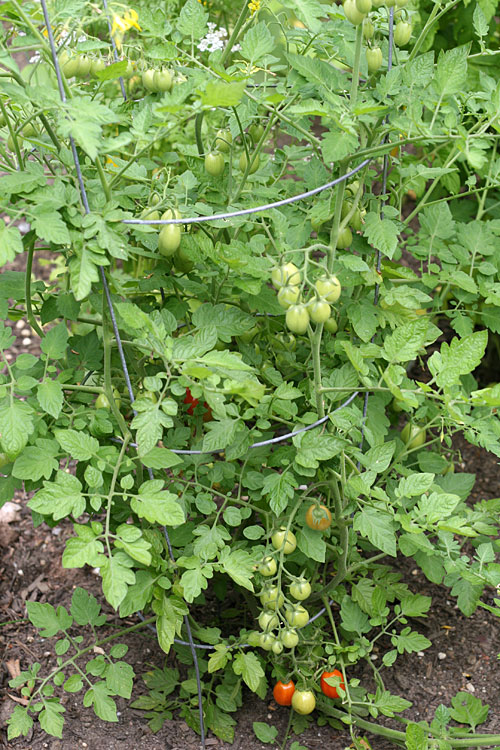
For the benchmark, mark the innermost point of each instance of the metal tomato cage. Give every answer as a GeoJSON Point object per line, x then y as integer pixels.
{"type": "Point", "coordinates": [198, 220]}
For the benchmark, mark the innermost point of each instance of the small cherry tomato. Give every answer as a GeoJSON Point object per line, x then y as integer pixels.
{"type": "Point", "coordinates": [344, 239]}
{"type": "Point", "coordinates": [148, 80]}
{"type": "Point", "coordinates": [283, 692]}
{"type": "Point", "coordinates": [329, 690]}
{"type": "Point", "coordinates": [300, 590]}
{"type": "Point", "coordinates": [303, 701]}
{"type": "Point", "coordinates": [69, 65]}
{"type": "Point", "coordinates": [96, 66]}
{"type": "Point", "coordinates": [272, 598]}
{"type": "Point", "coordinates": [364, 6]}
{"type": "Point", "coordinates": [402, 33]}
{"type": "Point", "coordinates": [223, 140]}
{"type": "Point", "coordinates": [289, 637]}
{"type": "Point", "coordinates": [413, 435]}
{"type": "Point", "coordinates": [277, 647]}
{"type": "Point", "coordinates": [256, 131]}
{"type": "Point", "coordinates": [374, 59]}
{"type": "Point", "coordinates": [266, 641]}
{"type": "Point", "coordinates": [352, 13]}
{"type": "Point", "coordinates": [297, 616]}
{"type": "Point", "coordinates": [331, 325]}
{"type": "Point", "coordinates": [102, 401]}
{"type": "Point", "coordinates": [368, 29]}
{"type": "Point", "coordinates": [267, 566]}
{"type": "Point", "coordinates": [268, 620]}
{"type": "Point", "coordinates": [243, 163]}
{"type": "Point", "coordinates": [84, 65]}
{"type": "Point", "coordinates": [328, 287]}
{"type": "Point", "coordinates": [319, 310]}
{"type": "Point", "coordinates": [162, 80]}
{"type": "Point", "coordinates": [193, 402]}
{"type": "Point", "coordinates": [288, 295]}
{"type": "Point", "coordinates": [214, 163]}
{"type": "Point", "coordinates": [318, 517]}
{"type": "Point", "coordinates": [285, 539]}
{"type": "Point", "coordinates": [286, 275]}
{"type": "Point", "coordinates": [297, 318]}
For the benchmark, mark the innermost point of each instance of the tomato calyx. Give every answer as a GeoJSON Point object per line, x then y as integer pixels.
{"type": "Point", "coordinates": [318, 517]}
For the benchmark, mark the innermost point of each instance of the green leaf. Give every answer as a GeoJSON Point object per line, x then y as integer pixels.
{"type": "Point", "coordinates": [379, 458]}
{"type": "Point", "coordinates": [138, 594]}
{"type": "Point", "coordinates": [378, 527]}
{"type": "Point", "coordinates": [48, 620]}
{"type": "Point", "coordinates": [218, 658]}
{"type": "Point", "coordinates": [50, 717]}
{"type": "Point", "coordinates": [99, 697]}
{"type": "Point", "coordinates": [238, 564]}
{"type": "Point", "coordinates": [415, 605]}
{"type": "Point", "coordinates": [60, 498]}
{"type": "Point", "coordinates": [157, 505]}
{"type": "Point", "coordinates": [85, 608]}
{"type": "Point", "coordinates": [382, 234]}
{"type": "Point", "coordinates": [55, 342]}
{"type": "Point", "coordinates": [312, 544]}
{"type": "Point", "coordinates": [436, 506]}
{"type": "Point", "coordinates": [389, 704]}
{"type": "Point", "coordinates": [406, 341]}
{"type": "Point", "coordinates": [257, 43]}
{"type": "Point", "coordinates": [264, 732]}
{"type": "Point", "coordinates": [248, 666]}
{"type": "Point", "coordinates": [161, 458]}
{"type": "Point", "coordinates": [338, 145]}
{"type": "Point", "coordinates": [223, 94]}
{"type": "Point", "coordinates": [11, 242]}
{"type": "Point", "coordinates": [34, 463]}
{"type": "Point", "coordinates": [73, 684]}
{"type": "Point", "coordinates": [458, 358]}
{"type": "Point", "coordinates": [49, 225]}
{"type": "Point", "coordinates": [467, 709]}
{"type": "Point", "coordinates": [23, 181]}
{"type": "Point", "coordinates": [192, 21]}
{"type": "Point", "coordinates": [195, 581]}
{"type": "Point", "coordinates": [410, 641]}
{"type": "Point", "coordinates": [171, 611]}
{"type": "Point", "coordinates": [50, 397]}
{"type": "Point", "coordinates": [83, 271]}
{"type": "Point", "coordinates": [116, 578]}
{"type": "Point", "coordinates": [120, 679]}
{"type": "Point", "coordinates": [353, 618]}
{"type": "Point", "coordinates": [414, 485]}
{"type": "Point", "coordinates": [451, 70]}
{"type": "Point", "coordinates": [19, 722]}
{"type": "Point", "coordinates": [78, 444]}
{"type": "Point", "coordinates": [84, 549]}
{"type": "Point", "coordinates": [279, 490]}
{"type": "Point", "coordinates": [16, 425]}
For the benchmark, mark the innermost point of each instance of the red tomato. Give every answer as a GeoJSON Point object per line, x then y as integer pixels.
{"type": "Point", "coordinates": [283, 693]}
{"type": "Point", "coordinates": [193, 403]}
{"type": "Point", "coordinates": [329, 690]}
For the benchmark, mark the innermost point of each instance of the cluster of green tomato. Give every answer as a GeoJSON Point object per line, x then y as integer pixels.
{"type": "Point", "coordinates": [157, 81]}
{"type": "Point", "coordinates": [81, 66]}
{"type": "Point", "coordinates": [287, 279]}
{"type": "Point", "coordinates": [293, 614]}
{"type": "Point", "coordinates": [215, 161]}
{"type": "Point", "coordinates": [28, 131]}
{"type": "Point", "coordinates": [357, 11]}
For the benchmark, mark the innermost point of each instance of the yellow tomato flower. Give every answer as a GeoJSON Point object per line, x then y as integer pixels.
{"type": "Point", "coordinates": [254, 6]}
{"type": "Point", "coordinates": [123, 24]}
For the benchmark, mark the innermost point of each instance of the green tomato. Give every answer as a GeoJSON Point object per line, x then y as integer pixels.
{"type": "Point", "coordinates": [413, 435]}
{"type": "Point", "coordinates": [277, 647]}
{"type": "Point", "coordinates": [352, 13]}
{"type": "Point", "coordinates": [288, 295]}
{"type": "Point", "coordinates": [368, 29]}
{"type": "Point", "coordinates": [297, 318]}
{"type": "Point", "coordinates": [300, 590]}
{"type": "Point", "coordinates": [286, 275]}
{"type": "Point", "coordinates": [331, 325]}
{"type": "Point", "coordinates": [329, 288]}
{"type": "Point", "coordinates": [266, 641]}
{"type": "Point", "coordinates": [102, 401]}
{"type": "Point", "coordinates": [84, 65]}
{"type": "Point", "coordinates": [319, 310]}
{"type": "Point", "coordinates": [162, 80]}
{"type": "Point", "coordinates": [256, 131]}
{"type": "Point", "coordinates": [272, 598]}
{"type": "Point", "coordinates": [344, 239]}
{"type": "Point", "coordinates": [267, 566]}
{"type": "Point", "coordinates": [297, 616]}
{"type": "Point", "coordinates": [169, 238]}
{"type": "Point", "coordinates": [214, 163]}
{"type": "Point", "coordinates": [303, 701]}
{"type": "Point", "coordinates": [69, 65]}
{"type": "Point", "coordinates": [402, 33]}
{"type": "Point", "coordinates": [364, 6]}
{"type": "Point", "coordinates": [10, 142]}
{"type": "Point", "coordinates": [223, 140]}
{"type": "Point", "coordinates": [150, 395]}
{"type": "Point", "coordinates": [96, 66]}
{"type": "Point", "coordinates": [182, 261]}
{"type": "Point", "coordinates": [374, 59]}
{"type": "Point", "coordinates": [28, 130]}
{"type": "Point", "coordinates": [148, 80]}
{"type": "Point", "coordinates": [285, 539]}
{"type": "Point", "coordinates": [287, 341]}
{"type": "Point", "coordinates": [268, 620]}
{"type": "Point", "coordinates": [243, 163]}
{"type": "Point", "coordinates": [289, 638]}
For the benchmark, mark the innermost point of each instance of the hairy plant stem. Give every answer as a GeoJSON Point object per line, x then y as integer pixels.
{"type": "Point", "coordinates": [234, 35]}
{"type": "Point", "coordinates": [27, 290]}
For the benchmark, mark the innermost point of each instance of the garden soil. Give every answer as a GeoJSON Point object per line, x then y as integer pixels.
{"type": "Point", "coordinates": [463, 655]}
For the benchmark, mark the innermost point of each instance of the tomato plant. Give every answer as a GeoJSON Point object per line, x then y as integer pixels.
{"type": "Point", "coordinates": [333, 277]}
